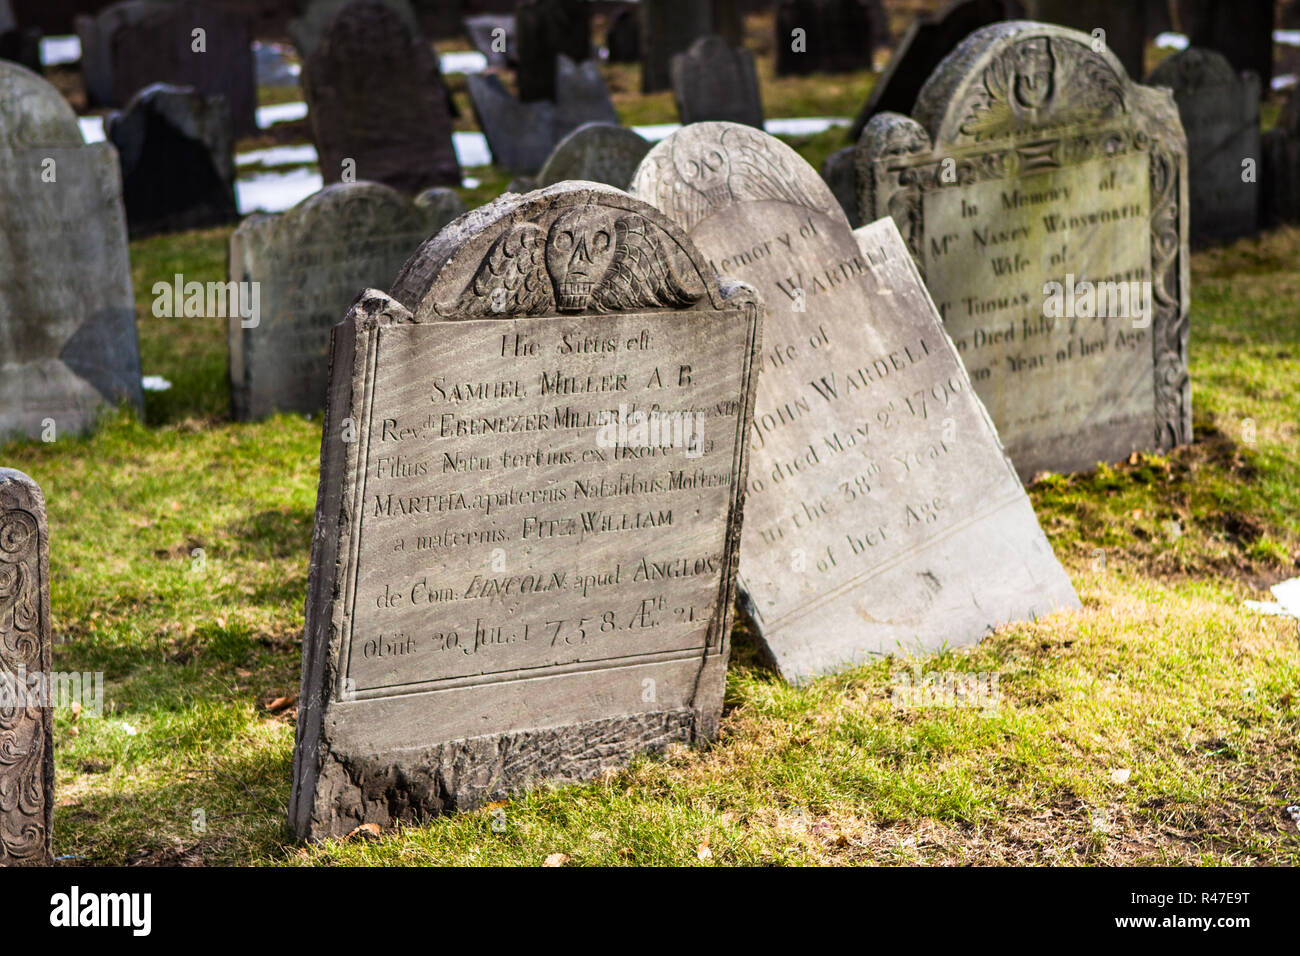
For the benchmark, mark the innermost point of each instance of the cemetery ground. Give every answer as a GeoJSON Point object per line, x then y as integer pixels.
{"type": "Point", "coordinates": [1159, 725]}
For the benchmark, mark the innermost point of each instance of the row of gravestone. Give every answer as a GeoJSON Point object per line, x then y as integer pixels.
{"type": "Point", "coordinates": [538, 446]}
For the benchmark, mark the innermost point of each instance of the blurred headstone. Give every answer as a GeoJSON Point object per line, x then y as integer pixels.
{"type": "Point", "coordinates": [668, 27]}
{"type": "Point", "coordinates": [827, 36]}
{"type": "Point", "coordinates": [596, 152]}
{"type": "Point", "coordinates": [547, 30]}
{"type": "Point", "coordinates": [1242, 30]}
{"type": "Point", "coordinates": [493, 35]}
{"type": "Point", "coordinates": [713, 81]}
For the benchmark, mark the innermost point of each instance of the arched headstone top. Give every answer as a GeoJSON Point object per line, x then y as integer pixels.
{"type": "Point", "coordinates": [32, 112]}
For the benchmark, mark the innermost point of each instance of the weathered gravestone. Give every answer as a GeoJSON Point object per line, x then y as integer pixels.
{"type": "Point", "coordinates": [26, 717]}
{"type": "Point", "coordinates": [1044, 197]}
{"type": "Point", "coordinates": [668, 27]}
{"type": "Point", "coordinates": [713, 81]}
{"type": "Point", "coordinates": [177, 151]}
{"type": "Point", "coordinates": [596, 152]}
{"type": "Point", "coordinates": [546, 29]}
{"type": "Point", "coordinates": [1242, 30]}
{"type": "Point", "coordinates": [927, 41]}
{"type": "Point", "coordinates": [516, 575]}
{"type": "Point", "coordinates": [376, 102]}
{"type": "Point", "coordinates": [882, 513]}
{"type": "Point", "coordinates": [309, 263]}
{"type": "Point", "coordinates": [67, 317]}
{"type": "Point", "coordinates": [493, 35]}
{"type": "Point", "coordinates": [520, 135]}
{"type": "Point", "coordinates": [828, 36]}
{"type": "Point", "coordinates": [1280, 166]}
{"type": "Point", "coordinates": [1122, 25]}
{"type": "Point", "coordinates": [1219, 110]}
{"type": "Point", "coordinates": [309, 29]}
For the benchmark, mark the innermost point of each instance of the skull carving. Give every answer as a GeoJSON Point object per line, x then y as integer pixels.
{"type": "Point", "coordinates": [579, 250]}
{"type": "Point", "coordinates": [706, 169]}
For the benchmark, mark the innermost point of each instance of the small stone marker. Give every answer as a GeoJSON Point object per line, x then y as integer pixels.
{"type": "Point", "coordinates": [517, 576]}
{"type": "Point", "coordinates": [376, 102]}
{"type": "Point", "coordinates": [668, 27]}
{"type": "Point", "coordinates": [713, 81]}
{"type": "Point", "coordinates": [67, 316]}
{"type": "Point", "coordinates": [882, 513]}
{"type": "Point", "coordinates": [546, 29]}
{"type": "Point", "coordinates": [1242, 30]}
{"type": "Point", "coordinates": [598, 153]}
{"type": "Point", "coordinates": [828, 36]}
{"type": "Point", "coordinates": [309, 263]}
{"type": "Point", "coordinates": [1219, 110]}
{"type": "Point", "coordinates": [26, 722]}
{"type": "Point", "coordinates": [177, 150]}
{"type": "Point", "coordinates": [1044, 198]}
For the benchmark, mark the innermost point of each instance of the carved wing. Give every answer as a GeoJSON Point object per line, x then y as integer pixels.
{"type": "Point", "coordinates": [643, 274]}
{"type": "Point", "coordinates": [760, 172]}
{"type": "Point", "coordinates": [682, 204]}
{"type": "Point", "coordinates": [512, 279]}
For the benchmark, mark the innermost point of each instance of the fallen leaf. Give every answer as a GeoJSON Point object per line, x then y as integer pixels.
{"type": "Point", "coordinates": [1120, 776]}
{"type": "Point", "coordinates": [556, 859]}
{"type": "Point", "coordinates": [498, 804]}
{"type": "Point", "coordinates": [625, 852]}
{"type": "Point", "coordinates": [76, 709]}
{"type": "Point", "coordinates": [367, 831]}
{"type": "Point", "coordinates": [703, 852]}
{"type": "Point", "coordinates": [281, 703]}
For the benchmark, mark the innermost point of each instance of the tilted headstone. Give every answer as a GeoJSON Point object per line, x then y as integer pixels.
{"type": "Point", "coordinates": [668, 27]}
{"type": "Point", "coordinates": [1280, 167]}
{"type": "Point", "coordinates": [1219, 110]}
{"type": "Point", "coordinates": [827, 36]}
{"type": "Point", "coordinates": [493, 35]}
{"type": "Point", "coordinates": [162, 47]}
{"type": "Point", "coordinates": [26, 715]}
{"type": "Point", "coordinates": [1242, 30]}
{"type": "Point", "coordinates": [1044, 198]}
{"type": "Point", "coordinates": [623, 39]}
{"type": "Point", "coordinates": [309, 28]}
{"type": "Point", "coordinates": [713, 81]}
{"type": "Point", "coordinates": [520, 572]}
{"type": "Point", "coordinates": [67, 317]}
{"type": "Point", "coordinates": [177, 151]}
{"type": "Point", "coordinates": [308, 264]}
{"type": "Point", "coordinates": [597, 152]}
{"type": "Point", "coordinates": [94, 33]}
{"type": "Point", "coordinates": [521, 136]}
{"type": "Point", "coordinates": [882, 513]}
{"type": "Point", "coordinates": [927, 41]}
{"type": "Point", "coordinates": [547, 29]}
{"type": "Point", "coordinates": [376, 102]}
{"type": "Point", "coordinates": [1123, 25]}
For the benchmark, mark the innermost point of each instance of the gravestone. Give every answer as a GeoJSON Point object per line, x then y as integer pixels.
{"type": "Point", "coordinates": [94, 33]}
{"type": "Point", "coordinates": [927, 41]}
{"type": "Point", "coordinates": [21, 44]}
{"type": "Point", "coordinates": [309, 263]}
{"type": "Point", "coordinates": [494, 36]}
{"type": "Point", "coordinates": [1219, 110]}
{"type": "Point", "coordinates": [668, 27]}
{"type": "Point", "coordinates": [177, 152]}
{"type": "Point", "coordinates": [1242, 30]}
{"type": "Point", "coordinates": [1280, 167]}
{"type": "Point", "coordinates": [546, 30]}
{"type": "Point", "coordinates": [521, 136]}
{"type": "Point", "coordinates": [882, 513]}
{"type": "Point", "coordinates": [1124, 24]}
{"type": "Point", "coordinates": [713, 81]}
{"type": "Point", "coordinates": [309, 29]}
{"type": "Point", "coordinates": [160, 47]}
{"type": "Point", "coordinates": [838, 36]}
{"type": "Point", "coordinates": [26, 714]}
{"type": "Point", "coordinates": [516, 576]}
{"type": "Point", "coordinates": [376, 102]}
{"type": "Point", "coordinates": [598, 153]}
{"type": "Point", "coordinates": [1044, 198]}
{"type": "Point", "coordinates": [67, 317]}
{"type": "Point", "coordinates": [623, 38]}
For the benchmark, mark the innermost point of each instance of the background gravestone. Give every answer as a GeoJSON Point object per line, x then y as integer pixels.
{"type": "Point", "coordinates": [309, 262]}
{"type": "Point", "coordinates": [1280, 166]}
{"type": "Point", "coordinates": [1031, 160]}
{"type": "Point", "coordinates": [503, 589]}
{"type": "Point", "coordinates": [309, 29]}
{"type": "Point", "coordinates": [713, 81]}
{"type": "Point", "coordinates": [840, 35]}
{"type": "Point", "coordinates": [19, 44]}
{"type": "Point", "coordinates": [26, 732]}
{"type": "Point", "coordinates": [1124, 23]}
{"type": "Point", "coordinates": [94, 32]}
{"type": "Point", "coordinates": [668, 27]}
{"type": "Point", "coordinates": [1242, 30]}
{"type": "Point", "coordinates": [882, 514]}
{"type": "Point", "coordinates": [623, 38]}
{"type": "Point", "coordinates": [546, 29]}
{"type": "Point", "coordinates": [928, 39]}
{"type": "Point", "coordinates": [67, 317]}
{"type": "Point", "coordinates": [178, 160]}
{"type": "Point", "coordinates": [1219, 110]}
{"type": "Point", "coordinates": [483, 32]}
{"type": "Point", "coordinates": [375, 96]}
{"type": "Point", "coordinates": [598, 153]}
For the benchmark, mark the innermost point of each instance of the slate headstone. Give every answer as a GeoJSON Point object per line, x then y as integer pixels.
{"type": "Point", "coordinates": [26, 717]}
{"type": "Point", "coordinates": [668, 27]}
{"type": "Point", "coordinates": [1124, 24]}
{"type": "Point", "coordinates": [516, 578]}
{"type": "Point", "coordinates": [623, 38]}
{"type": "Point", "coordinates": [67, 316]}
{"type": "Point", "coordinates": [1280, 167]}
{"type": "Point", "coordinates": [1242, 30]}
{"type": "Point", "coordinates": [177, 151]}
{"type": "Point", "coordinates": [598, 153]}
{"type": "Point", "coordinates": [94, 33]}
{"type": "Point", "coordinates": [309, 263]}
{"type": "Point", "coordinates": [928, 39]}
{"type": "Point", "coordinates": [494, 35]}
{"type": "Point", "coordinates": [1219, 110]}
{"type": "Point", "coordinates": [521, 136]}
{"type": "Point", "coordinates": [713, 81]}
{"type": "Point", "coordinates": [1030, 160]}
{"type": "Point", "coordinates": [834, 36]}
{"type": "Point", "coordinates": [882, 513]}
{"type": "Point", "coordinates": [20, 44]}
{"type": "Point", "coordinates": [309, 28]}
{"type": "Point", "coordinates": [548, 29]}
{"type": "Point", "coordinates": [376, 102]}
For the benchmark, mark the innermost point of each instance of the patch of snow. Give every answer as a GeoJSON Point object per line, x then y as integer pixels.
{"type": "Point", "coordinates": [1171, 41]}
{"type": "Point", "coordinates": [92, 128]}
{"type": "Point", "coordinates": [56, 51]}
{"type": "Point", "coordinates": [276, 192]}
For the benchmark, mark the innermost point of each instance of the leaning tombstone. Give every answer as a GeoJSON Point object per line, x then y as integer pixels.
{"type": "Point", "coordinates": [177, 150]}
{"type": "Point", "coordinates": [26, 712]}
{"type": "Point", "coordinates": [1219, 110]}
{"type": "Point", "coordinates": [1044, 198]}
{"type": "Point", "coordinates": [376, 102]}
{"type": "Point", "coordinates": [67, 316]}
{"type": "Point", "coordinates": [598, 153]}
{"type": "Point", "coordinates": [713, 81]}
{"type": "Point", "coordinates": [297, 273]}
{"type": "Point", "coordinates": [532, 470]}
{"type": "Point", "coordinates": [881, 512]}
